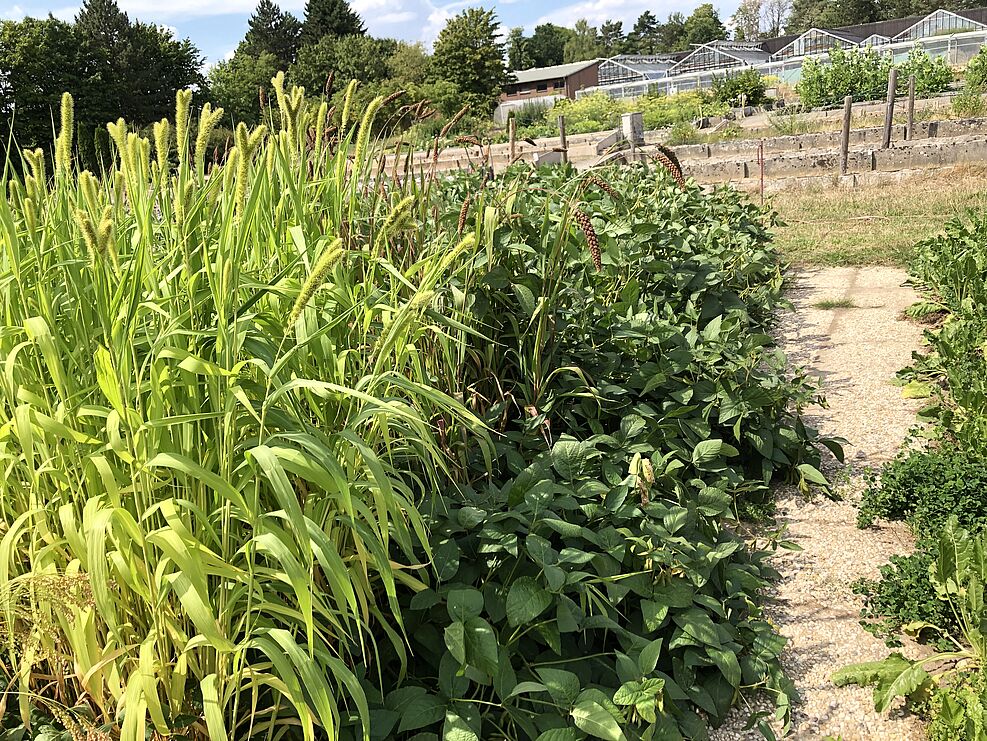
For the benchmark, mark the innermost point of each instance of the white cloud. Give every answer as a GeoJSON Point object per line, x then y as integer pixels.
{"type": "Point", "coordinates": [18, 13]}
{"type": "Point", "coordinates": [393, 18]}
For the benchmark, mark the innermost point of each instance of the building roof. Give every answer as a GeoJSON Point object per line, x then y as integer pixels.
{"type": "Point", "coordinates": [538, 74]}
{"type": "Point", "coordinates": [646, 66]}
{"type": "Point", "coordinates": [742, 52]}
{"type": "Point", "coordinates": [798, 51]}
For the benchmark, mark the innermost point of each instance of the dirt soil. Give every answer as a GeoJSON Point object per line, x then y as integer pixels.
{"type": "Point", "coordinates": [855, 351]}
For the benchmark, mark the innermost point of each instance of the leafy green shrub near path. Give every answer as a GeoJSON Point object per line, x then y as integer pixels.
{"type": "Point", "coordinates": [941, 493]}
{"type": "Point", "coordinates": [903, 596]}
{"type": "Point", "coordinates": [971, 101]}
{"type": "Point", "coordinates": [976, 69]}
{"type": "Point", "coordinates": [863, 75]}
{"type": "Point", "coordinates": [925, 487]}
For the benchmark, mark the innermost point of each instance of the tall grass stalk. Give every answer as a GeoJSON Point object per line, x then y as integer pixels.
{"type": "Point", "coordinates": [218, 426]}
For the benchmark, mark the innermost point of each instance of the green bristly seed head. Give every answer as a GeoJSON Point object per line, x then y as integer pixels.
{"type": "Point", "coordinates": [327, 260]}
{"type": "Point", "coordinates": [347, 102]}
{"type": "Point", "coordinates": [162, 143]}
{"type": "Point", "coordinates": [183, 113]}
{"type": "Point", "coordinates": [207, 122]}
{"type": "Point", "coordinates": [63, 145]}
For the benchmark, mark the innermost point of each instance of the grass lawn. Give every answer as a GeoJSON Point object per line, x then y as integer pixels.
{"type": "Point", "coordinates": [875, 225]}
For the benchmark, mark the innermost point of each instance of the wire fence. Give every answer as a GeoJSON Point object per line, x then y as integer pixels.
{"type": "Point", "coordinates": [957, 49]}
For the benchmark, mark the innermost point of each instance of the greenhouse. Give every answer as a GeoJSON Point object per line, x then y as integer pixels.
{"type": "Point", "coordinates": [817, 41]}
{"type": "Point", "coordinates": [955, 36]}
{"type": "Point", "coordinates": [939, 23]}
{"type": "Point", "coordinates": [720, 55]}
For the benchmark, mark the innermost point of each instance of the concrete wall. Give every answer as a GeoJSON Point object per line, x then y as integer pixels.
{"type": "Point", "coordinates": [916, 154]}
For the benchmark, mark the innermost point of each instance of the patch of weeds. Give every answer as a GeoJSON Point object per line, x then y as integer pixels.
{"type": "Point", "coordinates": [904, 596]}
{"type": "Point", "coordinates": [925, 487]}
{"type": "Point", "coordinates": [836, 303]}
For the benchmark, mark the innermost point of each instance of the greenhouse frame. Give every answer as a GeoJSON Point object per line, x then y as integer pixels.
{"type": "Point", "coordinates": [956, 36]}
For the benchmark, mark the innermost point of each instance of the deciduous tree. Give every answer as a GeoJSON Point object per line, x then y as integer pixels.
{"type": "Point", "coordinates": [39, 60]}
{"type": "Point", "coordinates": [469, 54]}
{"type": "Point", "coordinates": [409, 63]}
{"type": "Point", "coordinates": [547, 44]}
{"type": "Point", "coordinates": [747, 21]}
{"type": "Point", "coordinates": [671, 34]}
{"type": "Point", "coordinates": [236, 84]}
{"type": "Point", "coordinates": [704, 25]}
{"type": "Point", "coordinates": [518, 56]}
{"type": "Point", "coordinates": [362, 58]}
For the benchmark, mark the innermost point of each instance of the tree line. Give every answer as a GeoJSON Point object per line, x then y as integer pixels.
{"type": "Point", "coordinates": [551, 44]}
{"type": "Point", "coordinates": [117, 66]}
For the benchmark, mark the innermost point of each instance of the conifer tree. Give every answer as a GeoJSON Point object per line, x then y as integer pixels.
{"type": "Point", "coordinates": [330, 18]}
{"type": "Point", "coordinates": [272, 31]}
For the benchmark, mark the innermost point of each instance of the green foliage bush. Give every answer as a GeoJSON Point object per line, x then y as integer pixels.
{"type": "Point", "coordinates": [741, 88]}
{"type": "Point", "coordinates": [970, 103]}
{"type": "Point", "coordinates": [947, 686]}
{"type": "Point", "coordinates": [863, 75]}
{"type": "Point", "coordinates": [975, 73]}
{"type": "Point", "coordinates": [638, 406]}
{"type": "Point", "coordinates": [902, 596]}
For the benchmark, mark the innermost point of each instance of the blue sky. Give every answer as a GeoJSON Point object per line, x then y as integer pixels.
{"type": "Point", "coordinates": [216, 26]}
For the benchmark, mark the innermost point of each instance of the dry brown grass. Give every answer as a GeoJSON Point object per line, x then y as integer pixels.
{"type": "Point", "coordinates": [874, 225]}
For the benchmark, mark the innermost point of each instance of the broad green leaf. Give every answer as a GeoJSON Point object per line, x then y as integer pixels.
{"type": "Point", "coordinates": [558, 734]}
{"type": "Point", "coordinates": [455, 640]}
{"type": "Point", "coordinates": [812, 474]}
{"type": "Point", "coordinates": [526, 600]}
{"type": "Point", "coordinates": [464, 604]}
{"type": "Point", "coordinates": [592, 718]}
{"type": "Point", "coordinates": [562, 685]}
{"type": "Point", "coordinates": [482, 650]}
{"type": "Point", "coordinates": [419, 711]}
{"type": "Point", "coordinates": [457, 729]}
{"type": "Point", "coordinates": [708, 451]}
{"type": "Point", "coordinates": [569, 457]}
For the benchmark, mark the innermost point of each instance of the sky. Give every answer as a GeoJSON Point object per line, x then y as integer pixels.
{"type": "Point", "coordinates": [216, 26]}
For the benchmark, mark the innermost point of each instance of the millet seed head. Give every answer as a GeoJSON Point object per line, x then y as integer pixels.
{"type": "Point", "coordinates": [592, 240]}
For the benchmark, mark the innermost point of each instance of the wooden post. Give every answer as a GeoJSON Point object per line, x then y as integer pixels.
{"type": "Point", "coordinates": [889, 110]}
{"type": "Point", "coordinates": [512, 137]}
{"type": "Point", "coordinates": [910, 126]}
{"type": "Point", "coordinates": [562, 143]}
{"type": "Point", "coordinates": [845, 140]}
{"type": "Point", "coordinates": [760, 162]}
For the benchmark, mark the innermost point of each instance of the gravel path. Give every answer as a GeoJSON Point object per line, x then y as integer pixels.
{"type": "Point", "coordinates": [856, 352]}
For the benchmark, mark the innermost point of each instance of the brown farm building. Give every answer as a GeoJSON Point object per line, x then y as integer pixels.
{"type": "Point", "coordinates": [560, 81]}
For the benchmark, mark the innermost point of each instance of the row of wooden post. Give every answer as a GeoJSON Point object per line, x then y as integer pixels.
{"type": "Point", "coordinates": [888, 118]}
{"type": "Point", "coordinates": [844, 142]}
